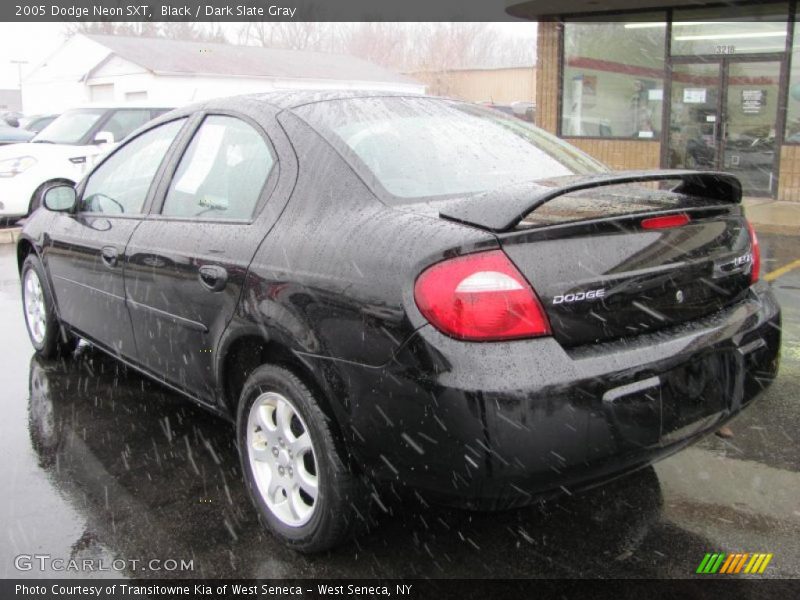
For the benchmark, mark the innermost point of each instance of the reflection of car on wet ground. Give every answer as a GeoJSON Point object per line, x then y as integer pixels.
{"type": "Point", "coordinates": [408, 291]}
{"type": "Point", "coordinates": [117, 483]}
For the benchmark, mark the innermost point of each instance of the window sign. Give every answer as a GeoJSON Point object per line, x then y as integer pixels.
{"type": "Point", "coordinates": [753, 101]}
{"type": "Point", "coordinates": [694, 95]}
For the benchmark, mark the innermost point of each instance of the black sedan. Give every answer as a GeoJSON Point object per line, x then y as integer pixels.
{"type": "Point", "coordinates": [392, 292]}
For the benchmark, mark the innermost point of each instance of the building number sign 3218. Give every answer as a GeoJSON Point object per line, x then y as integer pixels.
{"type": "Point", "coordinates": [725, 49]}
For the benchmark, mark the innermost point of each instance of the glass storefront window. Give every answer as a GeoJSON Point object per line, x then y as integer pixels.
{"type": "Point", "coordinates": [715, 31]}
{"type": "Point", "coordinates": [793, 99]}
{"type": "Point", "coordinates": [613, 84]}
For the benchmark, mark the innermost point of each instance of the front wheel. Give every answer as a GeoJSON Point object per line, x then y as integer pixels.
{"type": "Point", "coordinates": [44, 330]}
{"type": "Point", "coordinates": [304, 492]}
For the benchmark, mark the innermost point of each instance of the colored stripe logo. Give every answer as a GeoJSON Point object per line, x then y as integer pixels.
{"type": "Point", "coordinates": [731, 564]}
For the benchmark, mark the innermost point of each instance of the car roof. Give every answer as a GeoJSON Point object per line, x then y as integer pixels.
{"type": "Point", "coordinates": [293, 99]}
{"type": "Point", "coordinates": [275, 102]}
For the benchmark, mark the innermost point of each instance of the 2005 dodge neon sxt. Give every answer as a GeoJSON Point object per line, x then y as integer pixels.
{"type": "Point", "coordinates": [414, 290]}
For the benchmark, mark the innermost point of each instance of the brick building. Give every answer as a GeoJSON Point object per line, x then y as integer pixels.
{"type": "Point", "coordinates": [674, 86]}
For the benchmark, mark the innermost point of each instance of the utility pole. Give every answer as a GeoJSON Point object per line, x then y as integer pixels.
{"type": "Point", "coordinates": [19, 64]}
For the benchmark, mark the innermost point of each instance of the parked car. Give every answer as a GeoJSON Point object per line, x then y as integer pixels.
{"type": "Point", "coordinates": [503, 108]}
{"type": "Point", "coordinates": [14, 135]}
{"type": "Point", "coordinates": [524, 110]}
{"type": "Point", "coordinates": [11, 118]}
{"type": "Point", "coordinates": [36, 123]}
{"type": "Point", "coordinates": [62, 152]}
{"type": "Point", "coordinates": [379, 289]}
{"type": "Point", "coordinates": [588, 126]}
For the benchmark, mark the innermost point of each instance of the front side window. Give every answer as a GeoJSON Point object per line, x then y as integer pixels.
{"type": "Point", "coordinates": [422, 148]}
{"type": "Point", "coordinates": [120, 185]}
{"type": "Point", "coordinates": [222, 173]}
{"type": "Point", "coordinates": [613, 81]}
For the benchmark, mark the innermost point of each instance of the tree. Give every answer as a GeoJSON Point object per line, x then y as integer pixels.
{"type": "Point", "coordinates": [401, 46]}
{"type": "Point", "coordinates": [178, 30]}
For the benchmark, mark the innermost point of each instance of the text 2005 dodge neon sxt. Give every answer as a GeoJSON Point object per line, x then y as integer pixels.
{"type": "Point", "coordinates": [409, 290]}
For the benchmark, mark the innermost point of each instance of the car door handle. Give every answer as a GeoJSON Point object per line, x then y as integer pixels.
{"type": "Point", "coordinates": [213, 277]}
{"type": "Point", "coordinates": [109, 255]}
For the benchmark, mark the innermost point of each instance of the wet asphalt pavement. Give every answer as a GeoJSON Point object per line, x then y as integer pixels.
{"type": "Point", "coordinates": [97, 462]}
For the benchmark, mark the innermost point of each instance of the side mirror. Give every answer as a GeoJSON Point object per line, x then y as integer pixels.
{"type": "Point", "coordinates": [104, 137]}
{"type": "Point", "coordinates": [12, 121]}
{"type": "Point", "coordinates": [60, 198]}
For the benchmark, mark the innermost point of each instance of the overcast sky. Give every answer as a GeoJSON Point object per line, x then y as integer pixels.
{"type": "Point", "coordinates": [26, 41]}
{"type": "Point", "coordinates": [33, 42]}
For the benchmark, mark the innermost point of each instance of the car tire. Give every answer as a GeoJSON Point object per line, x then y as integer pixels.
{"type": "Point", "coordinates": [48, 336]}
{"type": "Point", "coordinates": [286, 445]}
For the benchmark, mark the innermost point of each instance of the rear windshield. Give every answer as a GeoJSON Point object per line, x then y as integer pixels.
{"type": "Point", "coordinates": [421, 148]}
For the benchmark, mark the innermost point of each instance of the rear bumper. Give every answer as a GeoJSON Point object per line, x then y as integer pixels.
{"type": "Point", "coordinates": [498, 425]}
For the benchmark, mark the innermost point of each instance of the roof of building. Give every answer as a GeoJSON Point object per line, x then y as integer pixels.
{"type": "Point", "coordinates": [172, 57]}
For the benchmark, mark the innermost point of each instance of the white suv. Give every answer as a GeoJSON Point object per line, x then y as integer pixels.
{"type": "Point", "coordinates": [62, 152]}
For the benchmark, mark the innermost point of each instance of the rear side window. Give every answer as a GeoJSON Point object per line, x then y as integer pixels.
{"type": "Point", "coordinates": [120, 185]}
{"type": "Point", "coordinates": [418, 148]}
{"type": "Point", "coordinates": [222, 173]}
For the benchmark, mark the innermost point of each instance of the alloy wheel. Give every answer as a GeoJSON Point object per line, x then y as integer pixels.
{"type": "Point", "coordinates": [282, 459]}
{"type": "Point", "coordinates": [35, 309]}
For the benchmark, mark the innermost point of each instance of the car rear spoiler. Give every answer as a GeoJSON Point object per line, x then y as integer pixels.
{"type": "Point", "coordinates": [502, 209]}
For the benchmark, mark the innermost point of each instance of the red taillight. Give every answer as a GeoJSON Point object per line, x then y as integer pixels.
{"type": "Point", "coordinates": [480, 297]}
{"type": "Point", "coordinates": [755, 254]}
{"type": "Point", "coordinates": [666, 222]}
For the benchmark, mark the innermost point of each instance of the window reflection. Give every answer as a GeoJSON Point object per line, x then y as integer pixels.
{"type": "Point", "coordinates": [614, 78]}
{"type": "Point", "coordinates": [714, 31]}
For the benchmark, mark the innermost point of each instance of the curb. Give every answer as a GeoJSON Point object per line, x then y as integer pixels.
{"type": "Point", "coordinates": [10, 236]}
{"type": "Point", "coordinates": [776, 229]}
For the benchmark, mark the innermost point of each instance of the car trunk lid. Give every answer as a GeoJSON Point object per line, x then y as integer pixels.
{"type": "Point", "coordinates": [610, 259]}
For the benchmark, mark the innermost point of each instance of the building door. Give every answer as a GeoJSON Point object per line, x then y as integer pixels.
{"type": "Point", "coordinates": [723, 115]}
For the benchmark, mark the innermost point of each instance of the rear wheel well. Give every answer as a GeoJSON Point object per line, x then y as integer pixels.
{"type": "Point", "coordinates": [248, 353]}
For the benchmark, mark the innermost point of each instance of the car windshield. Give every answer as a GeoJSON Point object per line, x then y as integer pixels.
{"type": "Point", "coordinates": [71, 127]}
{"type": "Point", "coordinates": [420, 148]}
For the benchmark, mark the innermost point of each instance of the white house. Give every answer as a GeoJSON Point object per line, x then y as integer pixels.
{"type": "Point", "coordinates": [104, 68]}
